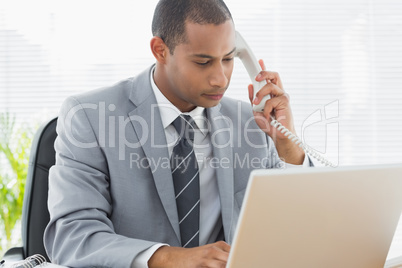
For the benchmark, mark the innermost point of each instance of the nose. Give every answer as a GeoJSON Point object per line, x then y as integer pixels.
{"type": "Point", "coordinates": [218, 77]}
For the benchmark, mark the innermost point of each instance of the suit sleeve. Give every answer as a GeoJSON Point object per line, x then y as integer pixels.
{"type": "Point", "coordinates": [80, 232]}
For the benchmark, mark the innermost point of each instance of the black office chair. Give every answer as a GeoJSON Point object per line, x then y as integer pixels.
{"type": "Point", "coordinates": [35, 215]}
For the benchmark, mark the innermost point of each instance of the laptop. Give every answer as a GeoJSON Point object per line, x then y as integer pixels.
{"type": "Point", "coordinates": [318, 217]}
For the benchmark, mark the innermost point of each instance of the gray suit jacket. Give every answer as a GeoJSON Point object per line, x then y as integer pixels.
{"type": "Point", "coordinates": [111, 194]}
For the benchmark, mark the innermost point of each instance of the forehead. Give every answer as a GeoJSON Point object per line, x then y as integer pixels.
{"type": "Point", "coordinates": [215, 40]}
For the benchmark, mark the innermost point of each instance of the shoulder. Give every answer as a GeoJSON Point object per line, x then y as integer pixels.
{"type": "Point", "coordinates": [116, 93]}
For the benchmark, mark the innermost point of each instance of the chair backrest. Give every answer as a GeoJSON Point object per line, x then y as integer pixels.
{"type": "Point", "coordinates": [35, 215]}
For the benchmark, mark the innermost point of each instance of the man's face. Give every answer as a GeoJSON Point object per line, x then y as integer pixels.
{"type": "Point", "coordinates": [199, 71]}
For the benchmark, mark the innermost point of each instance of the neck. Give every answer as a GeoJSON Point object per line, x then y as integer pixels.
{"type": "Point", "coordinates": [162, 82]}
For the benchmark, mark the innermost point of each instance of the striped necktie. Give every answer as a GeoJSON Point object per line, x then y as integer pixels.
{"type": "Point", "coordinates": [186, 182]}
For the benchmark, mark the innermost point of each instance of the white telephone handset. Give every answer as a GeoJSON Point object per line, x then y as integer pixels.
{"type": "Point", "coordinates": [244, 53]}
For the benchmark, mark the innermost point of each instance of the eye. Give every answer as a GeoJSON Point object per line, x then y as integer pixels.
{"type": "Point", "coordinates": [203, 63]}
{"type": "Point", "coordinates": [228, 59]}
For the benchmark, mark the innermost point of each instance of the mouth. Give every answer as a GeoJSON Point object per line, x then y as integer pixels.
{"type": "Point", "coordinates": [215, 97]}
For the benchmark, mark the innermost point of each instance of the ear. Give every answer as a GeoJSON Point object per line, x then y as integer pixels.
{"type": "Point", "coordinates": [159, 49]}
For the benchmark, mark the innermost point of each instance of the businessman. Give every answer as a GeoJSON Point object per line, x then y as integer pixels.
{"type": "Point", "coordinates": [152, 171]}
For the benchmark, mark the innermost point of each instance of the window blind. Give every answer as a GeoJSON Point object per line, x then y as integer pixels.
{"type": "Point", "coordinates": [340, 56]}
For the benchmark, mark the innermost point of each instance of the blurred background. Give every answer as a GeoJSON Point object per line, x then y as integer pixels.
{"type": "Point", "coordinates": [340, 61]}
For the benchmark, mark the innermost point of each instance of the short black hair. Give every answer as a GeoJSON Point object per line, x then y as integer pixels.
{"type": "Point", "coordinates": [170, 17]}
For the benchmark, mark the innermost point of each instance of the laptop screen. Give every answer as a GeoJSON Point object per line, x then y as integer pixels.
{"type": "Point", "coordinates": [318, 217]}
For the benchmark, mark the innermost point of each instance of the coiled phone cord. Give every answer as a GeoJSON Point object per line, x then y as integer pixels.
{"type": "Point", "coordinates": [275, 123]}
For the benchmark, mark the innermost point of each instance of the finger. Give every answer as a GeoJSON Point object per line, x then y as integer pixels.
{"type": "Point", "coordinates": [251, 93]}
{"type": "Point", "coordinates": [262, 64]}
{"type": "Point", "coordinates": [215, 253]}
{"type": "Point", "coordinates": [275, 104]}
{"type": "Point", "coordinates": [270, 77]}
{"type": "Point", "coordinates": [268, 89]}
{"type": "Point", "coordinates": [214, 264]}
{"type": "Point", "coordinates": [220, 255]}
{"type": "Point", "coordinates": [223, 246]}
{"type": "Point", "coordinates": [264, 122]}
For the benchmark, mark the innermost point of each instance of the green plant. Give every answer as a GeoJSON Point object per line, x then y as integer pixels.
{"type": "Point", "coordinates": [15, 143]}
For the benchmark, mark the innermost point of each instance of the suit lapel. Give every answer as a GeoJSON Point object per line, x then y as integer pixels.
{"type": "Point", "coordinates": [221, 139]}
{"type": "Point", "coordinates": [147, 125]}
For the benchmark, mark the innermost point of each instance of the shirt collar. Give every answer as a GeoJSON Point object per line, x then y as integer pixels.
{"type": "Point", "coordinates": [169, 112]}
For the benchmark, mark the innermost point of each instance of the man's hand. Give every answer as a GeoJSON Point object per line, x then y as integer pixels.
{"type": "Point", "coordinates": [212, 256]}
{"type": "Point", "coordinates": [279, 107]}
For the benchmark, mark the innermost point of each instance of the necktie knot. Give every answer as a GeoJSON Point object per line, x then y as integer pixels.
{"type": "Point", "coordinates": [184, 126]}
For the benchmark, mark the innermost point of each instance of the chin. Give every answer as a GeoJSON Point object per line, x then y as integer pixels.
{"type": "Point", "coordinates": [210, 104]}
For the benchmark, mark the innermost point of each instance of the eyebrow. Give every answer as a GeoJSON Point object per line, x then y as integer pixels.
{"type": "Point", "coordinates": [209, 56]}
